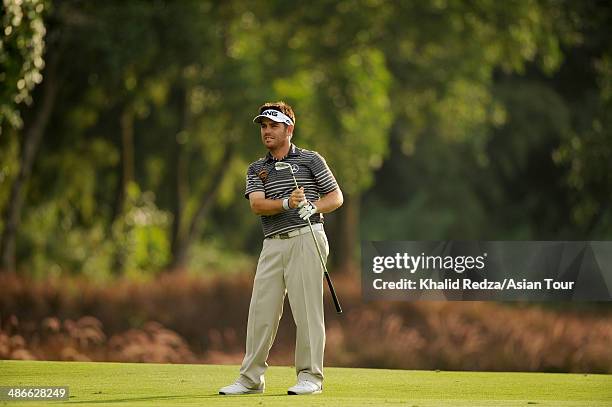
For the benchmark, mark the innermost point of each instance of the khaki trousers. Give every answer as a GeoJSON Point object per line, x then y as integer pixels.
{"type": "Point", "coordinates": [287, 266]}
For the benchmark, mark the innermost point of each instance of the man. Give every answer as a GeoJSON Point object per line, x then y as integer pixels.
{"type": "Point", "coordinates": [288, 263]}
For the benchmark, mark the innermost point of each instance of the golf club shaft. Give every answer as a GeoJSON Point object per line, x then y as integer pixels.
{"type": "Point", "coordinates": [327, 277]}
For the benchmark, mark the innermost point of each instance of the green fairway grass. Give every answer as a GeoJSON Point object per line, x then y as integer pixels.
{"type": "Point", "coordinates": [131, 384]}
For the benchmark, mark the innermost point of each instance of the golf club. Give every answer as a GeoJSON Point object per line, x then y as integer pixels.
{"type": "Point", "coordinates": [279, 166]}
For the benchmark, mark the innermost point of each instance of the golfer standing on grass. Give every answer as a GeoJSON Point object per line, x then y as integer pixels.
{"type": "Point", "coordinates": [289, 262]}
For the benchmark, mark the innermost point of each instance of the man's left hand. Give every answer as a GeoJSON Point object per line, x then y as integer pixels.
{"type": "Point", "coordinates": [307, 210]}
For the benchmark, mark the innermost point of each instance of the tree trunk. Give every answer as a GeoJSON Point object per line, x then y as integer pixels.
{"type": "Point", "coordinates": [178, 230]}
{"type": "Point", "coordinates": [209, 197]}
{"type": "Point", "coordinates": [126, 125]}
{"type": "Point", "coordinates": [32, 135]}
{"type": "Point", "coordinates": [347, 234]}
{"type": "Point", "coordinates": [207, 200]}
{"type": "Point", "coordinates": [181, 185]}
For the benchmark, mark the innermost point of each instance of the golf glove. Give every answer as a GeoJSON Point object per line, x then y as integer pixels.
{"type": "Point", "coordinates": [308, 209]}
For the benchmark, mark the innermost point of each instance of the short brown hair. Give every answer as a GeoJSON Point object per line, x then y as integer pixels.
{"type": "Point", "coordinates": [279, 106]}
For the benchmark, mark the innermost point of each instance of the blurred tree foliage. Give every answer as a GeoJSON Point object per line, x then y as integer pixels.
{"type": "Point", "coordinates": [22, 45]}
{"type": "Point", "coordinates": [441, 119]}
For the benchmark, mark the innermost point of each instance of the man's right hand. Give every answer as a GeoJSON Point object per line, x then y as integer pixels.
{"type": "Point", "coordinates": [297, 198]}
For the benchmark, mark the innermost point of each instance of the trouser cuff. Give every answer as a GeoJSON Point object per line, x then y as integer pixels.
{"type": "Point", "coordinates": [316, 379]}
{"type": "Point", "coordinates": [246, 382]}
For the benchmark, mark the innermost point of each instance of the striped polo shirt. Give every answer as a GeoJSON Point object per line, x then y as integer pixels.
{"type": "Point", "coordinates": [311, 172]}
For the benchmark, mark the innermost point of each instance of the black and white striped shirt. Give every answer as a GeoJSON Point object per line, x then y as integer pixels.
{"type": "Point", "coordinates": [311, 172]}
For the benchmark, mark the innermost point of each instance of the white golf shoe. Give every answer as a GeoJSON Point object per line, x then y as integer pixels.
{"type": "Point", "coordinates": [238, 388]}
{"type": "Point", "coordinates": [305, 387]}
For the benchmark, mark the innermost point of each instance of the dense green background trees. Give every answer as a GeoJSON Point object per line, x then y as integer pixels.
{"type": "Point", "coordinates": [126, 125]}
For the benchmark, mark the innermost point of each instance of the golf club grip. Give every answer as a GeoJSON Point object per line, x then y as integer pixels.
{"type": "Point", "coordinates": [333, 293]}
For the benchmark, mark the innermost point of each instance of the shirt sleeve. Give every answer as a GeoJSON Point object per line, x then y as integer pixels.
{"type": "Point", "coordinates": [253, 182]}
{"type": "Point", "coordinates": [323, 176]}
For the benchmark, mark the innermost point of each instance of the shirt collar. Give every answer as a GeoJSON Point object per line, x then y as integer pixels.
{"type": "Point", "coordinates": [293, 152]}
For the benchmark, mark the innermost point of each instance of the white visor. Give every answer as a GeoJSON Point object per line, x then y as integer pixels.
{"type": "Point", "coordinates": [274, 115]}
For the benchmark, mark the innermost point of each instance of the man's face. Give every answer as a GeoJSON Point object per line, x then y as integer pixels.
{"type": "Point", "coordinates": [274, 135]}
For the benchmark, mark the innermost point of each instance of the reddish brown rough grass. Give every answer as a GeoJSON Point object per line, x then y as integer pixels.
{"type": "Point", "coordinates": [179, 318]}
